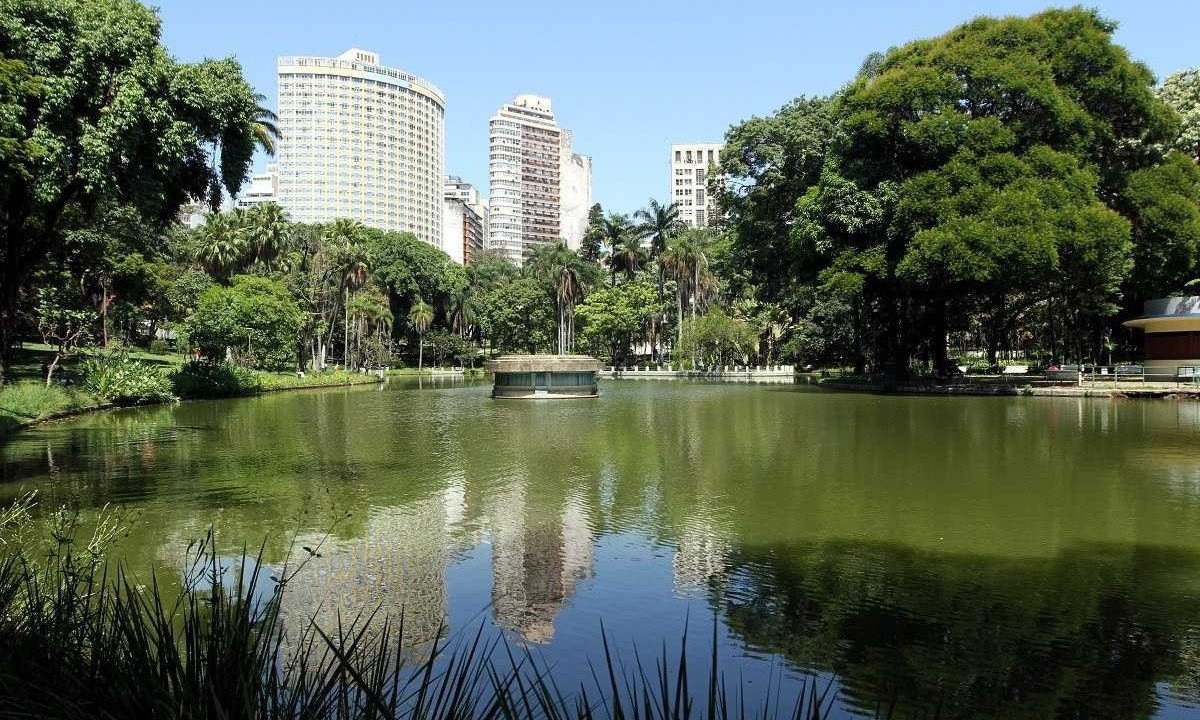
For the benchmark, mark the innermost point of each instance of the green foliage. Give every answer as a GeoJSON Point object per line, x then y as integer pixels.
{"type": "Point", "coordinates": [1181, 91]}
{"type": "Point", "coordinates": [714, 340]}
{"type": "Point", "coordinates": [989, 182]}
{"type": "Point", "coordinates": [208, 379]}
{"type": "Point", "coordinates": [120, 379]}
{"type": "Point", "coordinates": [96, 115]}
{"type": "Point", "coordinates": [410, 269]}
{"type": "Point", "coordinates": [613, 318]}
{"type": "Point", "coordinates": [1164, 203]}
{"type": "Point", "coordinates": [32, 400]}
{"type": "Point", "coordinates": [592, 246]}
{"type": "Point", "coordinates": [518, 316]}
{"type": "Point", "coordinates": [255, 318]}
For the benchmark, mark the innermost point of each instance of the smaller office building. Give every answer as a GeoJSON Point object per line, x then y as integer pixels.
{"type": "Point", "coordinates": [1172, 336]}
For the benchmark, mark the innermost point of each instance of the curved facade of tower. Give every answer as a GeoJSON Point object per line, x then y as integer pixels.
{"type": "Point", "coordinates": [361, 141]}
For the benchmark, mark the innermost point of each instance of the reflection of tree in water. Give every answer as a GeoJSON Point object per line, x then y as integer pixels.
{"type": "Point", "coordinates": [914, 634]}
{"type": "Point", "coordinates": [537, 559]}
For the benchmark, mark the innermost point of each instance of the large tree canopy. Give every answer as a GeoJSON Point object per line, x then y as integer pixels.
{"type": "Point", "coordinates": [1008, 167]}
{"type": "Point", "coordinates": [94, 113]}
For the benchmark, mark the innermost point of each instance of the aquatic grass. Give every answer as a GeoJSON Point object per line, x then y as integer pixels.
{"type": "Point", "coordinates": [78, 641]}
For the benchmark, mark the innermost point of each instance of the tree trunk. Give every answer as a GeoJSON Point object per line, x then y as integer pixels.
{"type": "Point", "coordinates": [52, 367]}
{"type": "Point", "coordinates": [420, 351]}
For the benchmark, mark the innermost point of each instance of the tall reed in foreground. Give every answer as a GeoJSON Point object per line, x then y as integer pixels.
{"type": "Point", "coordinates": [80, 641]}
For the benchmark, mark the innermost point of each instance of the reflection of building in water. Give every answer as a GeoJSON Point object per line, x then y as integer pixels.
{"type": "Point", "coordinates": [700, 556]}
{"type": "Point", "coordinates": [536, 562]}
{"type": "Point", "coordinates": [398, 567]}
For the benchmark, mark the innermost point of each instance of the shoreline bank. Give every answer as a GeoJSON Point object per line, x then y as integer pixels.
{"type": "Point", "coordinates": [1130, 391]}
{"type": "Point", "coordinates": [9, 429]}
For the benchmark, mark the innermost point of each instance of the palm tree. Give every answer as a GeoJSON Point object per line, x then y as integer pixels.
{"type": "Point", "coordinates": [659, 223]}
{"type": "Point", "coordinates": [616, 229]}
{"type": "Point", "coordinates": [629, 256]}
{"type": "Point", "coordinates": [268, 230]}
{"type": "Point", "coordinates": [460, 311]}
{"type": "Point", "coordinates": [266, 133]}
{"type": "Point", "coordinates": [352, 264]}
{"type": "Point", "coordinates": [222, 244]}
{"type": "Point", "coordinates": [566, 274]}
{"type": "Point", "coordinates": [421, 315]}
{"type": "Point", "coordinates": [686, 260]}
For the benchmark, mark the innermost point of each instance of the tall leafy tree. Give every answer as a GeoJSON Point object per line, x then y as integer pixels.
{"type": "Point", "coordinates": [1181, 91]}
{"type": "Point", "coordinates": [592, 247]}
{"type": "Point", "coordinates": [94, 111]}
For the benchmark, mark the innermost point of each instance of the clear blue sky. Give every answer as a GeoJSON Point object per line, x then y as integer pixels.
{"type": "Point", "coordinates": [628, 77]}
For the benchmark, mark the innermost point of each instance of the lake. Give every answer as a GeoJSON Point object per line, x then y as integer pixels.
{"type": "Point", "coordinates": [1013, 557]}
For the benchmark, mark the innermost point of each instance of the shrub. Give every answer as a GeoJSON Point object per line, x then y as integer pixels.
{"type": "Point", "coordinates": [207, 379]}
{"type": "Point", "coordinates": [256, 319]}
{"type": "Point", "coordinates": [158, 346]}
{"type": "Point", "coordinates": [115, 376]}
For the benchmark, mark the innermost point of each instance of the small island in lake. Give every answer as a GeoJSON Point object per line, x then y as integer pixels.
{"type": "Point", "coordinates": [544, 376]}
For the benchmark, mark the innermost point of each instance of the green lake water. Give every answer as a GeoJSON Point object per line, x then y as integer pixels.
{"type": "Point", "coordinates": [935, 557]}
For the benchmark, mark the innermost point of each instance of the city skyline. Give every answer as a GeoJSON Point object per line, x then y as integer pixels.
{"type": "Point", "coordinates": [614, 74]}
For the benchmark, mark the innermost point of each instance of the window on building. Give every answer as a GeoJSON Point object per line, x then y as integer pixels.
{"type": "Point", "coordinates": [700, 218]}
{"type": "Point", "coordinates": [699, 176]}
{"type": "Point", "coordinates": [700, 197]}
{"type": "Point", "coordinates": [678, 154]}
{"type": "Point", "coordinates": [689, 155]}
{"type": "Point", "coordinates": [710, 156]}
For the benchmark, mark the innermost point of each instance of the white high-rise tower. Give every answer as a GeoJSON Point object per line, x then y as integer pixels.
{"type": "Point", "coordinates": [361, 141]}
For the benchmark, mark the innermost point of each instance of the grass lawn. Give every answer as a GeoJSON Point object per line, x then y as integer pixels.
{"type": "Point", "coordinates": [25, 399]}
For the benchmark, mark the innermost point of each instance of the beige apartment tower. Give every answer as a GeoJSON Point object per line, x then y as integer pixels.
{"type": "Point", "coordinates": [361, 141]}
{"type": "Point", "coordinates": [538, 188]}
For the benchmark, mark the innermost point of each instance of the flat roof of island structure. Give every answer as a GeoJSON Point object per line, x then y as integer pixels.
{"type": "Point", "coordinates": [543, 363]}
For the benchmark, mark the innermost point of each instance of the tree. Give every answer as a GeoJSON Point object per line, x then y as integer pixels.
{"type": "Point", "coordinates": [63, 324]}
{"type": "Point", "coordinates": [769, 163]}
{"type": "Point", "coordinates": [659, 223]}
{"type": "Point", "coordinates": [266, 133]}
{"type": "Point", "coordinates": [613, 318]}
{"type": "Point", "coordinates": [223, 246]}
{"type": "Point", "coordinates": [1181, 91]}
{"type": "Point", "coordinates": [421, 315]}
{"type": "Point", "coordinates": [616, 231]}
{"type": "Point", "coordinates": [686, 260]}
{"type": "Point", "coordinates": [254, 320]}
{"type": "Point", "coordinates": [267, 232]}
{"type": "Point", "coordinates": [95, 112]}
{"type": "Point", "coordinates": [970, 183]}
{"type": "Point", "coordinates": [565, 275]}
{"type": "Point", "coordinates": [592, 247]}
{"type": "Point", "coordinates": [1163, 203]}
{"type": "Point", "coordinates": [715, 339]}
{"type": "Point", "coordinates": [410, 269]}
{"type": "Point", "coordinates": [518, 315]}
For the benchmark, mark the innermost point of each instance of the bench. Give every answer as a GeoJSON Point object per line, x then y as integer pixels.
{"type": "Point", "coordinates": [1015, 370]}
{"type": "Point", "coordinates": [1187, 373]}
{"type": "Point", "coordinates": [1129, 372]}
{"type": "Point", "coordinates": [1064, 373]}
